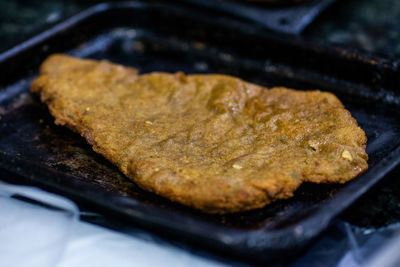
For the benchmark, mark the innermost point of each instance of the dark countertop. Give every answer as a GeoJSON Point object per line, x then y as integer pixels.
{"type": "Point", "coordinates": [371, 25]}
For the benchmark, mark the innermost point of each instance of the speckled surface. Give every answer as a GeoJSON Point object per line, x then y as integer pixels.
{"type": "Point", "coordinates": [20, 19]}
{"type": "Point", "coordinates": [372, 25]}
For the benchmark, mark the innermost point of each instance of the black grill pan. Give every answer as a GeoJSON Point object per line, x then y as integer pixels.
{"type": "Point", "coordinates": [286, 18]}
{"type": "Point", "coordinates": [157, 37]}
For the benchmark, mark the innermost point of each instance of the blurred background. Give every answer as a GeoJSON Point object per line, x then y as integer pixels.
{"type": "Point", "coordinates": [372, 25]}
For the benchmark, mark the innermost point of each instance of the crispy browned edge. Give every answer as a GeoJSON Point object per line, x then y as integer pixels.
{"type": "Point", "coordinates": [239, 202]}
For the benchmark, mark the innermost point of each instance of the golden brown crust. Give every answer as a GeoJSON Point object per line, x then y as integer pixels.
{"type": "Point", "coordinates": [212, 142]}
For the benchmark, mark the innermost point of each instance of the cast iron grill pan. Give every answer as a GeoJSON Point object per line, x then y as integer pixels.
{"type": "Point", "coordinates": [291, 18]}
{"type": "Point", "coordinates": [156, 37]}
